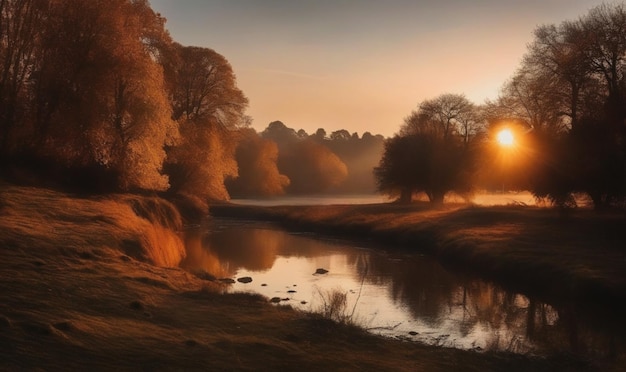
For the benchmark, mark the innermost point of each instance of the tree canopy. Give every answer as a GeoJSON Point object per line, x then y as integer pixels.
{"type": "Point", "coordinates": [431, 153]}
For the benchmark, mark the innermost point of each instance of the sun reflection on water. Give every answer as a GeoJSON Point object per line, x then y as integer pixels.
{"type": "Point", "coordinates": [408, 297]}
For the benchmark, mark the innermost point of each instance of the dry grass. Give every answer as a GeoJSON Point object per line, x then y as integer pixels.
{"type": "Point", "coordinates": [141, 227]}
{"type": "Point", "coordinates": [73, 298]}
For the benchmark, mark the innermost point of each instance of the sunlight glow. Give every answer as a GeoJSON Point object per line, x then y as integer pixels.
{"type": "Point", "coordinates": [505, 138]}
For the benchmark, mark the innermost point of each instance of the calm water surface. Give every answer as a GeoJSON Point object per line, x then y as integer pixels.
{"type": "Point", "coordinates": [480, 199]}
{"type": "Point", "coordinates": [405, 296]}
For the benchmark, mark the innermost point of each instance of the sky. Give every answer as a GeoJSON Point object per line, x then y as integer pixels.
{"type": "Point", "coordinates": [362, 65]}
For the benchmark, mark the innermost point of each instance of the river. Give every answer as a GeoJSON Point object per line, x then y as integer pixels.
{"type": "Point", "coordinates": [406, 296]}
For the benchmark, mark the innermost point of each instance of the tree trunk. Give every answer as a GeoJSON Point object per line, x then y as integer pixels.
{"type": "Point", "coordinates": [436, 197]}
{"type": "Point", "coordinates": [406, 196]}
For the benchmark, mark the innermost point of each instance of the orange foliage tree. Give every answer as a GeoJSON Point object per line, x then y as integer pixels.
{"type": "Point", "coordinates": [258, 170]}
{"type": "Point", "coordinates": [95, 101]}
{"type": "Point", "coordinates": [209, 106]}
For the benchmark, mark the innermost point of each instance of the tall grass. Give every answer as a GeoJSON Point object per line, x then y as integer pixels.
{"type": "Point", "coordinates": [333, 305]}
{"type": "Point", "coordinates": [144, 228]}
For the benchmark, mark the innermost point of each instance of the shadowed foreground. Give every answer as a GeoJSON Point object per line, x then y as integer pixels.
{"type": "Point", "coordinates": [74, 296]}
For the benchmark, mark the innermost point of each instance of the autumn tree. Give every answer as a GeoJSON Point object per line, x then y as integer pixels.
{"type": "Point", "coordinates": [308, 163]}
{"type": "Point", "coordinates": [200, 165]}
{"type": "Point", "coordinates": [360, 155]}
{"type": "Point", "coordinates": [311, 167]}
{"type": "Point", "coordinates": [203, 87]}
{"type": "Point", "coordinates": [94, 102]}
{"type": "Point", "coordinates": [258, 170]}
{"type": "Point", "coordinates": [209, 106]}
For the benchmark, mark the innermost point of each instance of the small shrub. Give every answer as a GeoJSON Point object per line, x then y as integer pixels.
{"type": "Point", "coordinates": [334, 306]}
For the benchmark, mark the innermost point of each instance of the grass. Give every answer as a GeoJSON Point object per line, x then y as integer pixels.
{"type": "Point", "coordinates": [80, 289]}
{"type": "Point", "coordinates": [143, 228]}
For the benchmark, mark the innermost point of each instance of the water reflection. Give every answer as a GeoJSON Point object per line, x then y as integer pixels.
{"type": "Point", "coordinates": [405, 296]}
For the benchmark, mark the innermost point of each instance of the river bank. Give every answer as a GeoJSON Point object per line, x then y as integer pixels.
{"type": "Point", "coordinates": [580, 256]}
{"type": "Point", "coordinates": [82, 289]}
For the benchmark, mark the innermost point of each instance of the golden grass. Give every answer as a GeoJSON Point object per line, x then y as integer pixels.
{"type": "Point", "coordinates": [141, 227]}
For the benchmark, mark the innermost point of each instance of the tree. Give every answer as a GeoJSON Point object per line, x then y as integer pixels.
{"type": "Point", "coordinates": [431, 154]}
{"type": "Point", "coordinates": [360, 156]}
{"type": "Point", "coordinates": [208, 105]}
{"type": "Point", "coordinates": [311, 167]}
{"type": "Point", "coordinates": [258, 170]}
{"type": "Point", "coordinates": [19, 38]}
{"type": "Point", "coordinates": [281, 134]}
{"type": "Point", "coordinates": [570, 92]}
{"type": "Point", "coordinates": [422, 163]}
{"type": "Point", "coordinates": [445, 116]}
{"type": "Point", "coordinates": [95, 103]}
{"type": "Point", "coordinates": [202, 162]}
{"type": "Point", "coordinates": [203, 87]}
{"type": "Point", "coordinates": [341, 135]}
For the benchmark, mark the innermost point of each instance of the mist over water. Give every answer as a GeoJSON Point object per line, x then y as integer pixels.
{"type": "Point", "coordinates": [315, 200]}
{"type": "Point", "coordinates": [504, 198]}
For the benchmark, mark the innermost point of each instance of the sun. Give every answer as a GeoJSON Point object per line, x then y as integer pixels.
{"type": "Point", "coordinates": [505, 138]}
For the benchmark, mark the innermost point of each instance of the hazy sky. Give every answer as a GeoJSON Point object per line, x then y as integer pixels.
{"type": "Point", "coordinates": [362, 65]}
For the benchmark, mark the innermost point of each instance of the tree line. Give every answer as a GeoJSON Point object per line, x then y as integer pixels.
{"type": "Point", "coordinates": [96, 96]}
{"type": "Point", "coordinates": [566, 104]}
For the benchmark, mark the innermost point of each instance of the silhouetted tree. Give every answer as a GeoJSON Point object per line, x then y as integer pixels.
{"type": "Point", "coordinates": [20, 33]}
{"type": "Point", "coordinates": [341, 135]}
{"type": "Point", "coordinates": [280, 133]}
{"type": "Point", "coordinates": [432, 153]}
{"type": "Point", "coordinates": [570, 93]}
{"type": "Point", "coordinates": [444, 116]}
{"type": "Point", "coordinates": [319, 135]}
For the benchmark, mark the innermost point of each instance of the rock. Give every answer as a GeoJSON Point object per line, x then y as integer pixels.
{"type": "Point", "coordinates": [291, 291]}
{"type": "Point", "coordinates": [65, 325]}
{"type": "Point", "coordinates": [136, 305]}
{"type": "Point", "coordinates": [321, 271]}
{"type": "Point", "coordinates": [245, 279]}
{"type": "Point", "coordinates": [303, 302]}
{"type": "Point", "coordinates": [264, 285]}
{"type": "Point", "coordinates": [201, 274]}
{"type": "Point", "coordinates": [191, 343]}
{"type": "Point", "coordinates": [227, 280]}
{"type": "Point", "coordinates": [413, 333]}
{"type": "Point", "coordinates": [275, 300]}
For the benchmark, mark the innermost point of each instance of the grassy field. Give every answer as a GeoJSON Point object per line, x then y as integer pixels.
{"type": "Point", "coordinates": [93, 283]}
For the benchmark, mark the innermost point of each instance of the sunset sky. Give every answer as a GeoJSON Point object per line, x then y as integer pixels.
{"type": "Point", "coordinates": [362, 65]}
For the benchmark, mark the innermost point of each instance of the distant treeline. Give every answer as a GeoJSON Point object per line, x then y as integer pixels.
{"type": "Point", "coordinates": [565, 105]}
{"type": "Point", "coordinates": [97, 97]}
{"type": "Point", "coordinates": [308, 164]}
